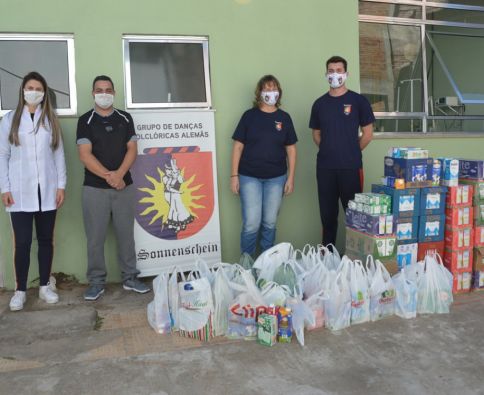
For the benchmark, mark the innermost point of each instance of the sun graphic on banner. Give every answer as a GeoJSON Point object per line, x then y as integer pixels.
{"type": "Point", "coordinates": [172, 200]}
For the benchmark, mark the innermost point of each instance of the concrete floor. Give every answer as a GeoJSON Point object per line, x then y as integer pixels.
{"type": "Point", "coordinates": [106, 347]}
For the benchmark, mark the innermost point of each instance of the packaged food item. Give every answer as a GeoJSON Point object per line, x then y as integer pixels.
{"type": "Point", "coordinates": [405, 202]}
{"type": "Point", "coordinates": [432, 200]}
{"type": "Point", "coordinates": [406, 254]}
{"type": "Point", "coordinates": [406, 229]}
{"type": "Point", "coordinates": [471, 169]}
{"type": "Point", "coordinates": [267, 329]}
{"type": "Point", "coordinates": [478, 189]}
{"type": "Point", "coordinates": [450, 171]}
{"type": "Point", "coordinates": [418, 171]}
{"type": "Point", "coordinates": [431, 228]}
{"type": "Point", "coordinates": [436, 172]}
{"type": "Point", "coordinates": [458, 238]}
{"type": "Point", "coordinates": [430, 248]}
{"type": "Point", "coordinates": [284, 325]}
{"type": "Point", "coordinates": [459, 196]}
{"type": "Point", "coordinates": [372, 224]}
{"type": "Point", "coordinates": [458, 260]}
{"type": "Point", "coordinates": [479, 236]}
{"type": "Point", "coordinates": [459, 217]}
{"type": "Point", "coordinates": [462, 282]}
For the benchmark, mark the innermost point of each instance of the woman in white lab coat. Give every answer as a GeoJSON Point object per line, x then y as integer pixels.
{"type": "Point", "coordinates": [32, 181]}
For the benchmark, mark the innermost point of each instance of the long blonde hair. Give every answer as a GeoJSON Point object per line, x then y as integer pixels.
{"type": "Point", "coordinates": [47, 113]}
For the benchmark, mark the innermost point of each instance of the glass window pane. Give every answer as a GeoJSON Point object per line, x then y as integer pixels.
{"type": "Point", "coordinates": [398, 125]}
{"type": "Point", "coordinates": [167, 72]}
{"type": "Point", "coordinates": [391, 10]}
{"type": "Point", "coordinates": [455, 46]}
{"type": "Point", "coordinates": [49, 58]}
{"type": "Point", "coordinates": [391, 67]}
{"type": "Point", "coordinates": [478, 3]}
{"type": "Point", "coordinates": [455, 125]}
{"type": "Point", "coordinates": [453, 15]}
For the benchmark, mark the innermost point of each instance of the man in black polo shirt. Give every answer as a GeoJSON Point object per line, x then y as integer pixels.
{"type": "Point", "coordinates": [336, 119]}
{"type": "Point", "coordinates": [106, 141]}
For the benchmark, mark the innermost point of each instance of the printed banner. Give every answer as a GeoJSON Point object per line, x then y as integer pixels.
{"type": "Point", "coordinates": [177, 217]}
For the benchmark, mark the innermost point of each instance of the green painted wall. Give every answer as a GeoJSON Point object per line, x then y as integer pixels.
{"type": "Point", "coordinates": [248, 38]}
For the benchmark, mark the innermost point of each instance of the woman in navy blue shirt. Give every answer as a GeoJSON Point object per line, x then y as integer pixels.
{"type": "Point", "coordinates": [263, 164]}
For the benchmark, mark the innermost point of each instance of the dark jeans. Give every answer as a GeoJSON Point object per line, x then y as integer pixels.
{"type": "Point", "coordinates": [22, 224]}
{"type": "Point", "coordinates": [335, 185]}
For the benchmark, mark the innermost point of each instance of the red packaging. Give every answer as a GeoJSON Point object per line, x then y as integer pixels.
{"type": "Point", "coordinates": [462, 282]}
{"type": "Point", "coordinates": [478, 259]}
{"type": "Point", "coordinates": [459, 217]}
{"type": "Point", "coordinates": [459, 196]}
{"type": "Point", "coordinates": [458, 260]}
{"type": "Point", "coordinates": [430, 247]}
{"type": "Point", "coordinates": [458, 238]}
{"type": "Point", "coordinates": [479, 236]}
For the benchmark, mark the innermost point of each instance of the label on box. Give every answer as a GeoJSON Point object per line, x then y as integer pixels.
{"type": "Point", "coordinates": [433, 201]}
{"type": "Point", "coordinates": [432, 228]}
{"type": "Point", "coordinates": [404, 231]}
{"type": "Point", "coordinates": [406, 203]}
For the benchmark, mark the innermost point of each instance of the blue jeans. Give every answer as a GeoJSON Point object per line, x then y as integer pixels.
{"type": "Point", "coordinates": [261, 199]}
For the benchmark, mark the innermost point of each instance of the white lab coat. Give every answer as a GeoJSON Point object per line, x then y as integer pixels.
{"type": "Point", "coordinates": [23, 168]}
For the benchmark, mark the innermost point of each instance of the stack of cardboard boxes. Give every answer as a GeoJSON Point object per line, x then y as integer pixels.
{"type": "Point", "coordinates": [471, 174]}
{"type": "Point", "coordinates": [412, 179]}
{"type": "Point", "coordinates": [369, 229]}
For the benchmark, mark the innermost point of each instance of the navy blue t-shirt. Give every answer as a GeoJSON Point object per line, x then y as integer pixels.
{"type": "Point", "coordinates": [339, 120]}
{"type": "Point", "coordinates": [265, 137]}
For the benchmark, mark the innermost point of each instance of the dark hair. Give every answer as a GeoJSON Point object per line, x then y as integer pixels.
{"type": "Point", "coordinates": [47, 116]}
{"type": "Point", "coordinates": [102, 78]}
{"type": "Point", "coordinates": [337, 59]}
{"type": "Point", "coordinates": [267, 79]}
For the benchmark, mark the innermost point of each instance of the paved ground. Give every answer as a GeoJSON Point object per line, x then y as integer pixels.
{"type": "Point", "coordinates": [107, 347]}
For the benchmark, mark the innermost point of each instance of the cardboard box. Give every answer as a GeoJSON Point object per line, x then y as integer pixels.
{"type": "Point", "coordinates": [458, 260]}
{"type": "Point", "coordinates": [462, 282]}
{"type": "Point", "coordinates": [411, 170]}
{"type": "Point", "coordinates": [372, 224]}
{"type": "Point", "coordinates": [479, 215]}
{"type": "Point", "coordinates": [458, 238]}
{"type": "Point", "coordinates": [478, 259]}
{"type": "Point", "coordinates": [459, 217]}
{"type": "Point", "coordinates": [406, 254]}
{"type": "Point", "coordinates": [430, 248]}
{"type": "Point", "coordinates": [406, 229]}
{"type": "Point", "coordinates": [363, 244]}
{"type": "Point", "coordinates": [397, 183]}
{"type": "Point", "coordinates": [478, 279]}
{"type": "Point", "coordinates": [372, 199]}
{"type": "Point", "coordinates": [432, 200]}
{"type": "Point", "coordinates": [408, 152]}
{"type": "Point", "coordinates": [450, 171]}
{"type": "Point", "coordinates": [431, 228]}
{"type": "Point", "coordinates": [479, 236]}
{"type": "Point", "coordinates": [471, 169]}
{"type": "Point", "coordinates": [405, 202]}
{"type": "Point", "coordinates": [478, 189]}
{"type": "Point", "coordinates": [459, 196]}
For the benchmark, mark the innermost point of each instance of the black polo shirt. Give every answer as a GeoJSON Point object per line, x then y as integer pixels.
{"type": "Point", "coordinates": [109, 137]}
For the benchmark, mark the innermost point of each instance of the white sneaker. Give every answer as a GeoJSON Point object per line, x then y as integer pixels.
{"type": "Point", "coordinates": [18, 300]}
{"type": "Point", "coordinates": [47, 294]}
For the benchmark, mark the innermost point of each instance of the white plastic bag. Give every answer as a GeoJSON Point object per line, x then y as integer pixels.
{"type": "Point", "coordinates": [301, 315]}
{"type": "Point", "coordinates": [316, 279]}
{"type": "Point", "coordinates": [434, 287]}
{"type": "Point", "coordinates": [274, 294]}
{"type": "Point", "coordinates": [174, 299]}
{"type": "Point", "coordinates": [382, 293]}
{"type": "Point", "coordinates": [269, 260]}
{"type": "Point", "coordinates": [316, 304]}
{"type": "Point", "coordinates": [222, 296]}
{"type": "Point", "coordinates": [157, 310]}
{"type": "Point", "coordinates": [406, 295]}
{"type": "Point", "coordinates": [337, 308]}
{"type": "Point", "coordinates": [360, 296]}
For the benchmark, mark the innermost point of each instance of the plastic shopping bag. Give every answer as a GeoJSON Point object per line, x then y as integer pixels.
{"type": "Point", "coordinates": [301, 315]}
{"type": "Point", "coordinates": [406, 295]}
{"type": "Point", "coordinates": [274, 294]}
{"type": "Point", "coordinates": [360, 296]}
{"type": "Point", "coordinates": [196, 309]}
{"type": "Point", "coordinates": [382, 293]}
{"type": "Point", "coordinates": [316, 304]}
{"type": "Point", "coordinates": [337, 308]}
{"type": "Point", "coordinates": [222, 296]}
{"type": "Point", "coordinates": [271, 259]}
{"type": "Point", "coordinates": [242, 317]}
{"type": "Point", "coordinates": [157, 310]}
{"type": "Point", "coordinates": [174, 299]}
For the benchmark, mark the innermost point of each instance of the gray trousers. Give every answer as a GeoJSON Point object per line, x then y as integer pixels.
{"type": "Point", "coordinates": [98, 206]}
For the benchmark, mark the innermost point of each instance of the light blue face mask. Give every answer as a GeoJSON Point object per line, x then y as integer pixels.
{"type": "Point", "coordinates": [269, 97]}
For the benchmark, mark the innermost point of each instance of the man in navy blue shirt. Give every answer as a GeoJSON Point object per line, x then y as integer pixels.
{"type": "Point", "coordinates": [336, 120]}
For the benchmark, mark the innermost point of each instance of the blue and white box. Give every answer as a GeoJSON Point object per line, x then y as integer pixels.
{"type": "Point", "coordinates": [405, 202]}
{"type": "Point", "coordinates": [406, 229]}
{"type": "Point", "coordinates": [472, 169]}
{"type": "Point", "coordinates": [431, 228]}
{"type": "Point", "coordinates": [411, 170]}
{"type": "Point", "coordinates": [432, 200]}
{"type": "Point", "coordinates": [406, 254]}
{"type": "Point", "coordinates": [450, 172]}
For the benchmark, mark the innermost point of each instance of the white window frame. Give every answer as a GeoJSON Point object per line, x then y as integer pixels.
{"type": "Point", "coordinates": [203, 40]}
{"type": "Point", "coordinates": [423, 23]}
{"type": "Point", "coordinates": [69, 40]}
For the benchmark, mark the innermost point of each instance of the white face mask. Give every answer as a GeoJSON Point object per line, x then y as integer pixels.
{"type": "Point", "coordinates": [33, 98]}
{"type": "Point", "coordinates": [269, 97]}
{"type": "Point", "coordinates": [336, 79]}
{"type": "Point", "coordinates": [104, 100]}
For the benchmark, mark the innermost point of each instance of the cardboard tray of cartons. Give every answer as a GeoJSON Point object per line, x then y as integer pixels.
{"type": "Point", "coordinates": [405, 202]}
{"type": "Point", "coordinates": [478, 189]}
{"type": "Point", "coordinates": [459, 217]}
{"type": "Point", "coordinates": [363, 244]}
{"type": "Point", "coordinates": [432, 200]}
{"type": "Point", "coordinates": [430, 248]}
{"type": "Point", "coordinates": [459, 196]}
{"type": "Point", "coordinates": [458, 260]}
